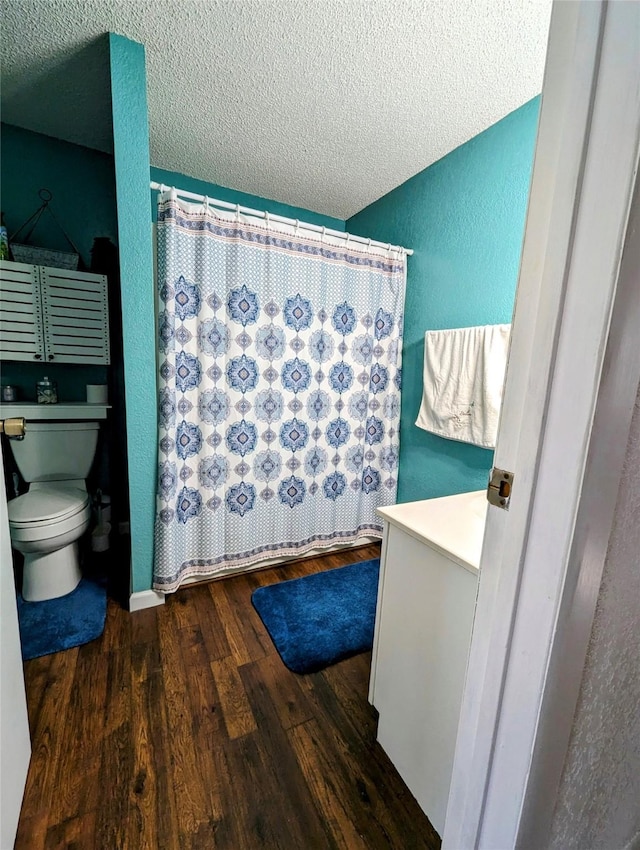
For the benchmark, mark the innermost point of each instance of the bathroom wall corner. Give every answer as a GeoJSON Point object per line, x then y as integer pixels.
{"type": "Point", "coordinates": [131, 154]}
{"type": "Point", "coordinates": [464, 218]}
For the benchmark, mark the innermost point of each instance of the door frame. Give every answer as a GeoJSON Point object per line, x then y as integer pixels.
{"type": "Point", "coordinates": [15, 743]}
{"type": "Point", "coordinates": [571, 384]}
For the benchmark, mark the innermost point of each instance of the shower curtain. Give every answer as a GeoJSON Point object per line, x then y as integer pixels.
{"type": "Point", "coordinates": [279, 390]}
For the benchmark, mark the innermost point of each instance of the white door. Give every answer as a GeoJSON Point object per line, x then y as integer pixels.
{"type": "Point", "coordinates": [572, 378]}
{"type": "Point", "coordinates": [15, 746]}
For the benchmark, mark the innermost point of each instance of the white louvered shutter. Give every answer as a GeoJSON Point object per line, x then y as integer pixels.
{"type": "Point", "coordinates": [21, 328]}
{"type": "Point", "coordinates": [76, 317]}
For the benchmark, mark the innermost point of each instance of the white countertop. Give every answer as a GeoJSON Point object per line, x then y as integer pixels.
{"type": "Point", "coordinates": [454, 525]}
{"type": "Point", "coordinates": [41, 412]}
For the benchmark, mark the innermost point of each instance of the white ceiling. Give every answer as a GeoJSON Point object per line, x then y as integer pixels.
{"type": "Point", "coordinates": [324, 104]}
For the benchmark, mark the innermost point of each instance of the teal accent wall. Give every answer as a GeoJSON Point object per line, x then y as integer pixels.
{"type": "Point", "coordinates": [131, 155]}
{"type": "Point", "coordinates": [190, 184]}
{"type": "Point", "coordinates": [464, 218]}
{"type": "Point", "coordinates": [81, 180]}
{"type": "Point", "coordinates": [83, 186]}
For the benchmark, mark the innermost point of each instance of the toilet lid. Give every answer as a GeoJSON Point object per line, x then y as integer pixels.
{"type": "Point", "coordinates": [39, 506]}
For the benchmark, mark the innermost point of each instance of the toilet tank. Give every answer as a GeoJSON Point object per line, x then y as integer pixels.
{"type": "Point", "coordinates": [56, 451]}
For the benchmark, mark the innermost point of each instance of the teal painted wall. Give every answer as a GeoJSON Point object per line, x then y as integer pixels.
{"type": "Point", "coordinates": [131, 155]}
{"type": "Point", "coordinates": [81, 180]}
{"type": "Point", "coordinates": [83, 185]}
{"type": "Point", "coordinates": [190, 184]}
{"type": "Point", "coordinates": [464, 217]}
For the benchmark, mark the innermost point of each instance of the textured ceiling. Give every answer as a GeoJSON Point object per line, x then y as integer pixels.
{"type": "Point", "coordinates": [324, 104]}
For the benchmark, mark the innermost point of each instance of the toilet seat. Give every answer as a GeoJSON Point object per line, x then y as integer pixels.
{"type": "Point", "coordinates": [30, 533]}
{"type": "Point", "coordinates": [46, 507]}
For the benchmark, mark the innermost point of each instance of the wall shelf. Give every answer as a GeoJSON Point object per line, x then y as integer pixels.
{"type": "Point", "coordinates": [34, 412]}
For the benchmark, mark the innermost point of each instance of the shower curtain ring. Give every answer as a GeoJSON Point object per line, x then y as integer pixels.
{"type": "Point", "coordinates": [237, 213]}
{"type": "Point", "coordinates": [295, 232]}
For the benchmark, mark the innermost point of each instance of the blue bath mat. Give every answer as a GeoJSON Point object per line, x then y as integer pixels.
{"type": "Point", "coordinates": [56, 624]}
{"type": "Point", "coordinates": [322, 618]}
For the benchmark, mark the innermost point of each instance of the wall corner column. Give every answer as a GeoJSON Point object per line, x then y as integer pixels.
{"type": "Point", "coordinates": [131, 155]}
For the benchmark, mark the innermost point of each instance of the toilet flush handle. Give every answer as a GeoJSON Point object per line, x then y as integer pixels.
{"type": "Point", "coordinates": [14, 427]}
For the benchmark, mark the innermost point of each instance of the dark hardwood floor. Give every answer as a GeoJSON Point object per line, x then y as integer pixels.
{"type": "Point", "coordinates": [181, 728]}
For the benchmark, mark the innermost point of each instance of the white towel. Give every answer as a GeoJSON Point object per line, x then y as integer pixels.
{"type": "Point", "coordinates": [463, 379]}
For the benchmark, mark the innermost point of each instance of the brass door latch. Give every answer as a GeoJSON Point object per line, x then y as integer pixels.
{"type": "Point", "coordinates": [499, 489]}
{"type": "Point", "coordinates": [14, 427]}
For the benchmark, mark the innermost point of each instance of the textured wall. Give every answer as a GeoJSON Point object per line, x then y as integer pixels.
{"type": "Point", "coordinates": [131, 153]}
{"type": "Point", "coordinates": [83, 185]}
{"type": "Point", "coordinates": [598, 805]}
{"type": "Point", "coordinates": [464, 217]}
{"type": "Point", "coordinates": [81, 180]}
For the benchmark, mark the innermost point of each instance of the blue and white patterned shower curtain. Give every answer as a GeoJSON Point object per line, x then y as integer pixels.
{"type": "Point", "coordinates": [279, 391]}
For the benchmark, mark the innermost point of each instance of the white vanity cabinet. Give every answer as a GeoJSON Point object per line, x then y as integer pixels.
{"type": "Point", "coordinates": [53, 315]}
{"type": "Point", "coordinates": [426, 602]}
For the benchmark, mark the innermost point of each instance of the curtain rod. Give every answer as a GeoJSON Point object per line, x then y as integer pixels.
{"type": "Point", "coordinates": [192, 196]}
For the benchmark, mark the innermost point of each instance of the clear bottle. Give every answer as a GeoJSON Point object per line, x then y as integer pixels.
{"type": "Point", "coordinates": [46, 391]}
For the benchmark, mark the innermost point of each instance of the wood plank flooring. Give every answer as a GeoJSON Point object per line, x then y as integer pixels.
{"type": "Point", "coordinates": [180, 728]}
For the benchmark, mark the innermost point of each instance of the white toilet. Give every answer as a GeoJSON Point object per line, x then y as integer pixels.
{"type": "Point", "coordinates": [54, 458]}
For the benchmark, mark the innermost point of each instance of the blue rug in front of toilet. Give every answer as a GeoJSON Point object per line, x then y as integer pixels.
{"type": "Point", "coordinates": [57, 624]}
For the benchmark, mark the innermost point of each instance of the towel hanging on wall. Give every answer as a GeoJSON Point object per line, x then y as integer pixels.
{"type": "Point", "coordinates": [462, 383]}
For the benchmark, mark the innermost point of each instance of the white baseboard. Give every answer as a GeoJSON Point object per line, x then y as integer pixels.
{"type": "Point", "coordinates": [145, 599]}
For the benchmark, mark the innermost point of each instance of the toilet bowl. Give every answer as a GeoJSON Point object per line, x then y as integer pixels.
{"type": "Point", "coordinates": [54, 459]}
{"type": "Point", "coordinates": [45, 525]}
